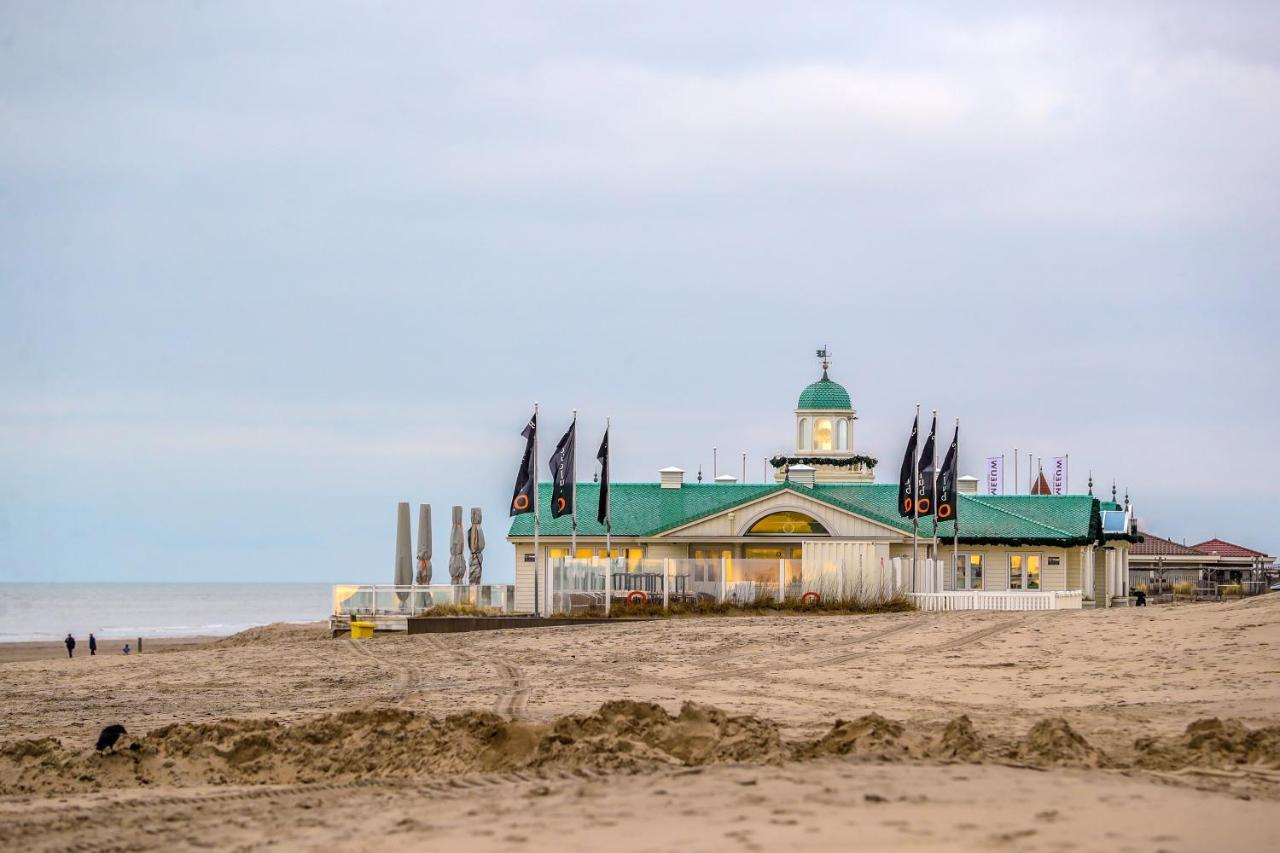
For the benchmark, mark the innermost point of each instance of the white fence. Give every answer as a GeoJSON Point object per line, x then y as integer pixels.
{"type": "Point", "coordinates": [1016, 600]}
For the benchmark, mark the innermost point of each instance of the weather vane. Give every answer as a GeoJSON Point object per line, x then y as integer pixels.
{"type": "Point", "coordinates": [825, 355]}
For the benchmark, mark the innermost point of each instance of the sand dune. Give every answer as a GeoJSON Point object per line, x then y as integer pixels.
{"type": "Point", "coordinates": [1036, 730]}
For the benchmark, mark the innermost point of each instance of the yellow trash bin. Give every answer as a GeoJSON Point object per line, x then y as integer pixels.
{"type": "Point", "coordinates": [361, 630]}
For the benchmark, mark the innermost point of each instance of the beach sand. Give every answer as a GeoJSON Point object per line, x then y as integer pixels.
{"type": "Point", "coordinates": [1019, 731]}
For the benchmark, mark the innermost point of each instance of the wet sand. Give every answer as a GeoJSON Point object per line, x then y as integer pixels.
{"type": "Point", "coordinates": [1115, 679]}
{"type": "Point", "coordinates": [14, 652]}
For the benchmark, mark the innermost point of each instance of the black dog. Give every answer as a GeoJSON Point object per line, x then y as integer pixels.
{"type": "Point", "coordinates": [109, 736]}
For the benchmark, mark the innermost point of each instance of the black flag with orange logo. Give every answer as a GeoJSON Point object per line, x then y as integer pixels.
{"type": "Point", "coordinates": [602, 456]}
{"type": "Point", "coordinates": [947, 501]}
{"type": "Point", "coordinates": [527, 477]}
{"type": "Point", "coordinates": [562, 473]}
{"type": "Point", "coordinates": [907, 476]}
{"type": "Point", "coordinates": [926, 488]}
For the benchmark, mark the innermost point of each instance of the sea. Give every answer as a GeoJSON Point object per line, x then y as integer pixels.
{"type": "Point", "coordinates": [49, 611]}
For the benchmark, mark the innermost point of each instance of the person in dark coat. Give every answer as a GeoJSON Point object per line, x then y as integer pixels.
{"type": "Point", "coordinates": [70, 643]}
{"type": "Point", "coordinates": [93, 645]}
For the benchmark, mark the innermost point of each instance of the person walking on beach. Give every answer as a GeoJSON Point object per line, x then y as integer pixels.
{"type": "Point", "coordinates": [125, 650]}
{"type": "Point", "coordinates": [70, 642]}
{"type": "Point", "coordinates": [93, 645]}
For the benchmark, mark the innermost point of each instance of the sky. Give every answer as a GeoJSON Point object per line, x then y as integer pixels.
{"type": "Point", "coordinates": [267, 269]}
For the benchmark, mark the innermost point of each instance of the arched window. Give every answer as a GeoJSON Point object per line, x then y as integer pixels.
{"type": "Point", "coordinates": [842, 434]}
{"type": "Point", "coordinates": [802, 442]}
{"type": "Point", "coordinates": [787, 523]}
{"type": "Point", "coordinates": [823, 438]}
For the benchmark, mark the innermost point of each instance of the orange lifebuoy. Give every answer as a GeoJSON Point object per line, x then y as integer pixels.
{"type": "Point", "coordinates": [811, 596]}
{"type": "Point", "coordinates": [637, 596]}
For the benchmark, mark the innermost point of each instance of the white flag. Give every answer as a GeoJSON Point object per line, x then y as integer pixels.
{"type": "Point", "coordinates": [1058, 468]}
{"type": "Point", "coordinates": [995, 475]}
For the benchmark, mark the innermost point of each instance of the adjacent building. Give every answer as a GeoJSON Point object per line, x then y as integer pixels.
{"type": "Point", "coordinates": [1157, 563]}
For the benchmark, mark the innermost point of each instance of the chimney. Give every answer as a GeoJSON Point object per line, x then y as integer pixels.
{"type": "Point", "coordinates": [726, 478]}
{"type": "Point", "coordinates": [671, 477]}
{"type": "Point", "coordinates": [967, 485]}
{"type": "Point", "coordinates": [803, 475]}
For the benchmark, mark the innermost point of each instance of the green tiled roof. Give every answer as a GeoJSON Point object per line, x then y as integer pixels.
{"type": "Point", "coordinates": [640, 509]}
{"type": "Point", "coordinates": [647, 509]}
{"type": "Point", "coordinates": [824, 394]}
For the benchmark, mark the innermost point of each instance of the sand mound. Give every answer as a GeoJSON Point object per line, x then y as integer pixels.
{"type": "Point", "coordinates": [622, 735]}
{"type": "Point", "coordinates": [886, 740]}
{"type": "Point", "coordinates": [871, 734]}
{"type": "Point", "coordinates": [389, 742]}
{"type": "Point", "coordinates": [1052, 741]}
{"type": "Point", "coordinates": [959, 741]}
{"type": "Point", "coordinates": [277, 632]}
{"type": "Point", "coordinates": [1212, 742]}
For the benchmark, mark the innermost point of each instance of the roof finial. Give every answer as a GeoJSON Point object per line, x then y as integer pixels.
{"type": "Point", "coordinates": [1113, 490]}
{"type": "Point", "coordinates": [825, 356]}
{"type": "Point", "coordinates": [1126, 497]}
{"type": "Point", "coordinates": [699, 473]}
{"type": "Point", "coordinates": [1091, 484]}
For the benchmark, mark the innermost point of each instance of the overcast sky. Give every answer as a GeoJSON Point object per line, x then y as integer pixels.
{"type": "Point", "coordinates": [268, 268]}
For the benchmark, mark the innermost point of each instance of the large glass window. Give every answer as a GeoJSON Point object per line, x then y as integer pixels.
{"type": "Point", "coordinates": [802, 439]}
{"type": "Point", "coordinates": [1024, 571]}
{"type": "Point", "coordinates": [787, 523]}
{"type": "Point", "coordinates": [842, 434]}
{"type": "Point", "coordinates": [823, 437]}
{"type": "Point", "coordinates": [968, 571]}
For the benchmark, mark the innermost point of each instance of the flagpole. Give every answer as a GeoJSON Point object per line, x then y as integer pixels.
{"type": "Point", "coordinates": [573, 490]}
{"type": "Point", "coordinates": [537, 554]}
{"type": "Point", "coordinates": [955, 515]}
{"type": "Point", "coordinates": [915, 506]}
{"type": "Point", "coordinates": [608, 507]}
{"type": "Point", "coordinates": [933, 491]}
{"type": "Point", "coordinates": [1015, 470]}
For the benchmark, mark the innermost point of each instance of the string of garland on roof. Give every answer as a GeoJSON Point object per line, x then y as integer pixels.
{"type": "Point", "coordinates": [837, 461]}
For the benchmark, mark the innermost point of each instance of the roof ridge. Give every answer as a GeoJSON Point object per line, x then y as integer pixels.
{"type": "Point", "coordinates": [1035, 521]}
{"type": "Point", "coordinates": [684, 522]}
{"type": "Point", "coordinates": [1199, 545]}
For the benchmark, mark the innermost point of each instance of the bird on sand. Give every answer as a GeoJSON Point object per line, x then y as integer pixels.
{"type": "Point", "coordinates": [109, 736]}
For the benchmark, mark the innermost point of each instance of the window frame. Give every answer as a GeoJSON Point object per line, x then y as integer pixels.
{"type": "Point", "coordinates": [967, 557]}
{"type": "Point", "coordinates": [1024, 575]}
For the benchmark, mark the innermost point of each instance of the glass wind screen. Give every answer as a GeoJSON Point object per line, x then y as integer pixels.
{"type": "Point", "coordinates": [1033, 571]}
{"type": "Point", "coordinates": [1015, 571]}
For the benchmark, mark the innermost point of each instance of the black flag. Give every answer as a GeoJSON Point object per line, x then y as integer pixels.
{"type": "Point", "coordinates": [946, 506]}
{"type": "Point", "coordinates": [602, 456]}
{"type": "Point", "coordinates": [562, 473]}
{"type": "Point", "coordinates": [907, 477]}
{"type": "Point", "coordinates": [926, 490]}
{"type": "Point", "coordinates": [522, 500]}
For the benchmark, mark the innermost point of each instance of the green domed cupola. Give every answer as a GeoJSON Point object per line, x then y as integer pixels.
{"type": "Point", "coordinates": [824, 395]}
{"type": "Point", "coordinates": [824, 433]}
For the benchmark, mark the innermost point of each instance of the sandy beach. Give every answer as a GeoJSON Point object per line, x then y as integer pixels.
{"type": "Point", "coordinates": [1020, 731]}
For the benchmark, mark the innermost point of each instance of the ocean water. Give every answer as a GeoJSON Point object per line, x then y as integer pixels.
{"type": "Point", "coordinates": [48, 611]}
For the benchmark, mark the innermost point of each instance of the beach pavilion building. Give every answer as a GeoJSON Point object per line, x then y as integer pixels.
{"type": "Point", "coordinates": [823, 513]}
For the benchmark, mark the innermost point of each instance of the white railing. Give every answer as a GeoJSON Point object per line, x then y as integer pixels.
{"type": "Point", "coordinates": [391, 600]}
{"type": "Point", "coordinates": [1013, 600]}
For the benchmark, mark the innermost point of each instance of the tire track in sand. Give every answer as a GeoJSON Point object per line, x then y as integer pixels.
{"type": "Point", "coordinates": [514, 698]}
{"type": "Point", "coordinates": [844, 657]}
